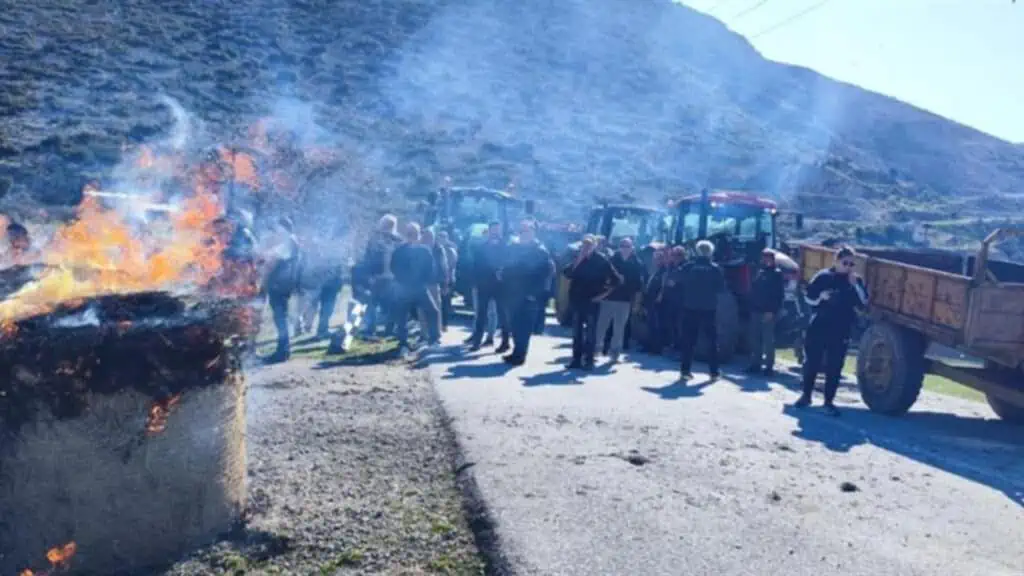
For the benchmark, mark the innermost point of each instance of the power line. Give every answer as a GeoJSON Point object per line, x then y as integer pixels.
{"type": "Point", "coordinates": [749, 10]}
{"type": "Point", "coordinates": [789, 20]}
{"type": "Point", "coordinates": [718, 5]}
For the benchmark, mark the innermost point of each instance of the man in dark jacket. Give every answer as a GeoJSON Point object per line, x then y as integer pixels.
{"type": "Point", "coordinates": [377, 267]}
{"type": "Point", "coordinates": [702, 282]}
{"type": "Point", "coordinates": [591, 280]}
{"type": "Point", "coordinates": [451, 255]}
{"type": "Point", "coordinates": [654, 306]}
{"type": "Point", "coordinates": [488, 262]}
{"type": "Point", "coordinates": [616, 307]}
{"type": "Point", "coordinates": [673, 297]}
{"type": "Point", "coordinates": [835, 294]}
{"type": "Point", "coordinates": [281, 282]}
{"type": "Point", "coordinates": [767, 293]}
{"type": "Point", "coordinates": [413, 267]}
{"type": "Point", "coordinates": [527, 274]}
{"type": "Point", "coordinates": [440, 270]}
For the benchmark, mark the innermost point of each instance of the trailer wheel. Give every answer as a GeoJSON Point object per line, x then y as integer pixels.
{"type": "Point", "coordinates": [890, 368]}
{"type": "Point", "coordinates": [728, 319]}
{"type": "Point", "coordinates": [1006, 411]}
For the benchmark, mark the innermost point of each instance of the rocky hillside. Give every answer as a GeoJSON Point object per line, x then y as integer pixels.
{"type": "Point", "coordinates": [567, 99]}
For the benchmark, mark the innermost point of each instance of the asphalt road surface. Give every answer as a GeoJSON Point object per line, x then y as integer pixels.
{"type": "Point", "coordinates": [624, 471]}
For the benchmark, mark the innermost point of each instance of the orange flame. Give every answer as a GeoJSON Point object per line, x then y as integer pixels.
{"type": "Point", "coordinates": [159, 413]}
{"type": "Point", "coordinates": [243, 167]}
{"type": "Point", "coordinates": [58, 557]}
{"type": "Point", "coordinates": [8, 329]}
{"type": "Point", "coordinates": [61, 556]}
{"type": "Point", "coordinates": [100, 253]}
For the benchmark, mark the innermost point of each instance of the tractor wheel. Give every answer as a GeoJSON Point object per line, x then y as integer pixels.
{"type": "Point", "coordinates": [563, 313]}
{"type": "Point", "coordinates": [728, 318]}
{"type": "Point", "coordinates": [890, 367]}
{"type": "Point", "coordinates": [1006, 411]}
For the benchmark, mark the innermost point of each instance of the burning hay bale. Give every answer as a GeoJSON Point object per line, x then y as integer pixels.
{"type": "Point", "coordinates": [121, 430]}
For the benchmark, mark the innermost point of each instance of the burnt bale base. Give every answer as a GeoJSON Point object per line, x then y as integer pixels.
{"type": "Point", "coordinates": [122, 429]}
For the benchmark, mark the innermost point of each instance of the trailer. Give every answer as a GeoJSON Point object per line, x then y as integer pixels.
{"type": "Point", "coordinates": [917, 299]}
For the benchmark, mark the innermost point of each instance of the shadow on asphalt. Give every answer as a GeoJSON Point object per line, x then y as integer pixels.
{"type": "Point", "coordinates": [556, 378]}
{"type": "Point", "coordinates": [679, 389]}
{"type": "Point", "coordinates": [964, 446]}
{"type": "Point", "coordinates": [492, 370]}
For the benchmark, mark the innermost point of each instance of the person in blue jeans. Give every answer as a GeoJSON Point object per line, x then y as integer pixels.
{"type": "Point", "coordinates": [528, 270]}
{"type": "Point", "coordinates": [412, 264]}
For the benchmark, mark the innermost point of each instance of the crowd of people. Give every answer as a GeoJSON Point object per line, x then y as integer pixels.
{"type": "Point", "coordinates": [411, 276]}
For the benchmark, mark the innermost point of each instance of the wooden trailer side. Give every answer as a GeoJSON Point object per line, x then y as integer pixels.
{"type": "Point", "coordinates": [995, 327]}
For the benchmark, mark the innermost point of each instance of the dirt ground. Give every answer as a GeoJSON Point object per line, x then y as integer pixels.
{"type": "Point", "coordinates": [351, 471]}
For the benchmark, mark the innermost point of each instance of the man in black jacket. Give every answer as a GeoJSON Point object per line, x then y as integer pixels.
{"type": "Point", "coordinates": [616, 307]}
{"type": "Point", "coordinates": [592, 279]}
{"type": "Point", "coordinates": [767, 293]}
{"type": "Point", "coordinates": [654, 305]}
{"type": "Point", "coordinates": [488, 262]}
{"type": "Point", "coordinates": [376, 265]}
{"type": "Point", "coordinates": [281, 282]}
{"type": "Point", "coordinates": [440, 257]}
{"type": "Point", "coordinates": [527, 274]}
{"type": "Point", "coordinates": [702, 282]}
{"type": "Point", "coordinates": [413, 267]}
{"type": "Point", "coordinates": [835, 294]}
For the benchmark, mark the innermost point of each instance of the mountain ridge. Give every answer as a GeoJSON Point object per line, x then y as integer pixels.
{"type": "Point", "coordinates": [568, 102]}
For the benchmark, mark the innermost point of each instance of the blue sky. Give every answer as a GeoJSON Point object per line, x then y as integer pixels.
{"type": "Point", "coordinates": [963, 59]}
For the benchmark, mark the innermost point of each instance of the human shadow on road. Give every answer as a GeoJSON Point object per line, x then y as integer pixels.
{"type": "Point", "coordinates": [679, 389]}
{"type": "Point", "coordinates": [988, 452]}
{"type": "Point", "coordinates": [492, 370]}
{"type": "Point", "coordinates": [562, 377]}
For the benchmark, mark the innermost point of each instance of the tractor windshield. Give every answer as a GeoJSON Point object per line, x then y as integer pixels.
{"type": "Point", "coordinates": [473, 212]}
{"type": "Point", "coordinates": [615, 223]}
{"type": "Point", "coordinates": [739, 222]}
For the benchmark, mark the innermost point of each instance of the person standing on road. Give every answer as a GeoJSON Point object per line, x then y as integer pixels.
{"type": "Point", "coordinates": [413, 266]}
{"type": "Point", "coordinates": [546, 295]}
{"type": "Point", "coordinates": [702, 282]}
{"type": "Point", "coordinates": [377, 268]}
{"type": "Point", "coordinates": [591, 280]}
{"type": "Point", "coordinates": [673, 297]}
{"type": "Point", "coordinates": [440, 259]}
{"type": "Point", "coordinates": [616, 307]}
{"type": "Point", "coordinates": [527, 275]}
{"type": "Point", "coordinates": [654, 306]}
{"type": "Point", "coordinates": [451, 254]}
{"type": "Point", "coordinates": [488, 262]}
{"type": "Point", "coordinates": [281, 282]}
{"type": "Point", "coordinates": [835, 294]}
{"type": "Point", "coordinates": [767, 293]}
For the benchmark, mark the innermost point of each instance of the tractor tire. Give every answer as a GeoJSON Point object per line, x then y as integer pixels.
{"type": "Point", "coordinates": [1006, 411]}
{"type": "Point", "coordinates": [728, 319]}
{"type": "Point", "coordinates": [890, 368]}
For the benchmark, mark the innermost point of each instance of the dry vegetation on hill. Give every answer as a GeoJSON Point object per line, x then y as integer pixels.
{"type": "Point", "coordinates": [568, 100]}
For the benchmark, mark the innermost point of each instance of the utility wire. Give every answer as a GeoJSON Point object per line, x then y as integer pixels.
{"type": "Point", "coordinates": [718, 5]}
{"type": "Point", "coordinates": [748, 10]}
{"type": "Point", "coordinates": [789, 20]}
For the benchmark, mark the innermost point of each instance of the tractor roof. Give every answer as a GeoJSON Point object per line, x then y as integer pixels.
{"type": "Point", "coordinates": [480, 191]}
{"type": "Point", "coordinates": [630, 207]}
{"type": "Point", "coordinates": [733, 197]}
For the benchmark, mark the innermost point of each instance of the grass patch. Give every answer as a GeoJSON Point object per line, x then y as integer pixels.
{"type": "Point", "coordinates": [932, 383]}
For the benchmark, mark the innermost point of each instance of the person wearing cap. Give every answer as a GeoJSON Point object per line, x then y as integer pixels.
{"type": "Point", "coordinates": [835, 295]}
{"type": "Point", "coordinates": [767, 293]}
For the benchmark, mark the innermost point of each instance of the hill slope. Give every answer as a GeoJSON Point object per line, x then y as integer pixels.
{"type": "Point", "coordinates": [567, 99]}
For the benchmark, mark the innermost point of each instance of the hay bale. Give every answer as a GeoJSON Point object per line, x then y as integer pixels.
{"type": "Point", "coordinates": [122, 429]}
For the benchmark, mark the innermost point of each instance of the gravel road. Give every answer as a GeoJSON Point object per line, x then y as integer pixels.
{"type": "Point", "coordinates": [350, 472]}
{"type": "Point", "coordinates": [628, 472]}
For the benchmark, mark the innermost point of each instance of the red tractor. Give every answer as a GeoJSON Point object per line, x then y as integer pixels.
{"type": "Point", "coordinates": [741, 225]}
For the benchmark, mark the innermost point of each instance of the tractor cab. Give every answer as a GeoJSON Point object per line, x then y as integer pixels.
{"type": "Point", "coordinates": [644, 224]}
{"type": "Point", "coordinates": [465, 214]}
